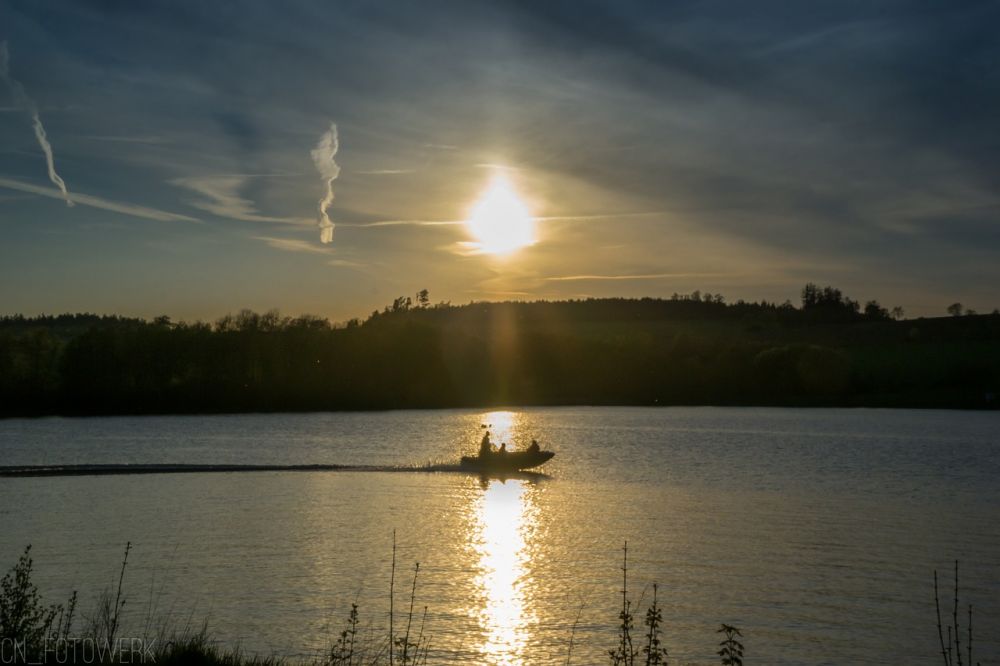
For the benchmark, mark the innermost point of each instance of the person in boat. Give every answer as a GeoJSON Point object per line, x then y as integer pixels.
{"type": "Point", "coordinates": [503, 449]}
{"type": "Point", "coordinates": [534, 448]}
{"type": "Point", "coordinates": [485, 447]}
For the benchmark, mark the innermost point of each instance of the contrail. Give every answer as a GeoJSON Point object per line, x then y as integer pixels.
{"type": "Point", "coordinates": [21, 99]}
{"type": "Point", "coordinates": [322, 156]}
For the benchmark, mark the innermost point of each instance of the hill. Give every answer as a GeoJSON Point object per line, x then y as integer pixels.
{"type": "Point", "coordinates": [684, 350]}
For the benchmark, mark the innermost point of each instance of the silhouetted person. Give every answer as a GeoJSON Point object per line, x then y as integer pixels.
{"type": "Point", "coordinates": [534, 448]}
{"type": "Point", "coordinates": [485, 447]}
{"type": "Point", "coordinates": [503, 449]}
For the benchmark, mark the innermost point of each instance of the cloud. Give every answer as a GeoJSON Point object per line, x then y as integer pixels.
{"type": "Point", "coordinates": [21, 99]}
{"type": "Point", "coordinates": [502, 293]}
{"type": "Point", "coordinates": [292, 245]}
{"type": "Point", "coordinates": [643, 276]}
{"type": "Point", "coordinates": [297, 245]}
{"type": "Point", "coordinates": [222, 197]}
{"type": "Point", "coordinates": [408, 223]}
{"type": "Point", "coordinates": [147, 139]}
{"type": "Point", "coordinates": [322, 156]}
{"type": "Point", "coordinates": [600, 216]}
{"type": "Point", "coordinates": [464, 249]}
{"type": "Point", "coordinates": [495, 166]}
{"type": "Point", "coordinates": [383, 172]}
{"type": "Point", "coordinates": [97, 202]}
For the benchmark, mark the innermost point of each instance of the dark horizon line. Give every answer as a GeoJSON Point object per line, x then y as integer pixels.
{"type": "Point", "coordinates": [686, 298]}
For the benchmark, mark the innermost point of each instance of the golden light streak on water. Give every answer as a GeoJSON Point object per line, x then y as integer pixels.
{"type": "Point", "coordinates": [503, 521]}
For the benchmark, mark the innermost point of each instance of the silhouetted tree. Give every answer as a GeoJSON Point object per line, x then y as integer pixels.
{"type": "Point", "coordinates": [810, 296]}
{"type": "Point", "coordinates": [955, 309]}
{"type": "Point", "coordinates": [828, 302]}
{"type": "Point", "coordinates": [401, 304]}
{"type": "Point", "coordinates": [898, 313]}
{"type": "Point", "coordinates": [875, 311]}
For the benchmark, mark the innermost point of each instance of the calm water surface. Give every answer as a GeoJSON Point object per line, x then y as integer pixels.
{"type": "Point", "coordinates": [815, 531]}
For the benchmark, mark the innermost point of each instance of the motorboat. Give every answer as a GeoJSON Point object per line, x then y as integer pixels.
{"type": "Point", "coordinates": [497, 462]}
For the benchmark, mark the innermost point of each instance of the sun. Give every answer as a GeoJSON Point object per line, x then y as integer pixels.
{"type": "Point", "coordinates": [500, 220]}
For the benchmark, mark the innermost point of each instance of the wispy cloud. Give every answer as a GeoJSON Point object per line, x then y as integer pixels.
{"type": "Point", "coordinates": [344, 263]}
{"type": "Point", "coordinates": [465, 249]}
{"type": "Point", "coordinates": [322, 156]}
{"type": "Point", "coordinates": [641, 276]}
{"type": "Point", "coordinates": [146, 139]}
{"type": "Point", "coordinates": [495, 166]}
{"type": "Point", "coordinates": [407, 223]}
{"type": "Point", "coordinates": [21, 99]}
{"type": "Point", "coordinates": [299, 245]}
{"type": "Point", "coordinates": [501, 293]}
{"type": "Point", "coordinates": [221, 196]}
{"type": "Point", "coordinates": [383, 172]}
{"type": "Point", "coordinates": [293, 245]}
{"type": "Point", "coordinates": [98, 202]}
{"type": "Point", "coordinates": [601, 216]}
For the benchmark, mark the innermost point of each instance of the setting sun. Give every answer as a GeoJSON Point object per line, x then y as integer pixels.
{"type": "Point", "coordinates": [500, 221]}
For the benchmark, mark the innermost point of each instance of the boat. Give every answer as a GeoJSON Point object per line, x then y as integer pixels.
{"type": "Point", "coordinates": [512, 461]}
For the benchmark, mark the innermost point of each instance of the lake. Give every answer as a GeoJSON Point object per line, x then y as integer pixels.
{"type": "Point", "coordinates": [815, 531]}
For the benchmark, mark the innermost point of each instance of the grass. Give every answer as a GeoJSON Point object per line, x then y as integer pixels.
{"type": "Point", "coordinates": [951, 649]}
{"type": "Point", "coordinates": [33, 632]}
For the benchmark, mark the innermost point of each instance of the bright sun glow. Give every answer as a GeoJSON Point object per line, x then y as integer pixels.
{"type": "Point", "coordinates": [500, 221]}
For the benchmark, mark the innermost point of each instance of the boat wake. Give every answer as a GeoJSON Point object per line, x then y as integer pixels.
{"type": "Point", "coordinates": [179, 468]}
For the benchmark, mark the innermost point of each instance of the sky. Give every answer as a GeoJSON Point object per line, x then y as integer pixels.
{"type": "Point", "coordinates": [660, 147]}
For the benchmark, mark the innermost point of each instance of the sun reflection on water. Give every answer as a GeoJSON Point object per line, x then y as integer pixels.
{"type": "Point", "coordinates": [502, 426]}
{"type": "Point", "coordinates": [503, 520]}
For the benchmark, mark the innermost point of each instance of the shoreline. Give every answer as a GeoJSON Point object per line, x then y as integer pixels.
{"type": "Point", "coordinates": [958, 406]}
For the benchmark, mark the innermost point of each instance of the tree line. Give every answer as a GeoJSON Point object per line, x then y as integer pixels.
{"type": "Point", "coordinates": [687, 349]}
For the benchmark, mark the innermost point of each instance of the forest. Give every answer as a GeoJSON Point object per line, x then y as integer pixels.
{"type": "Point", "coordinates": [693, 349]}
